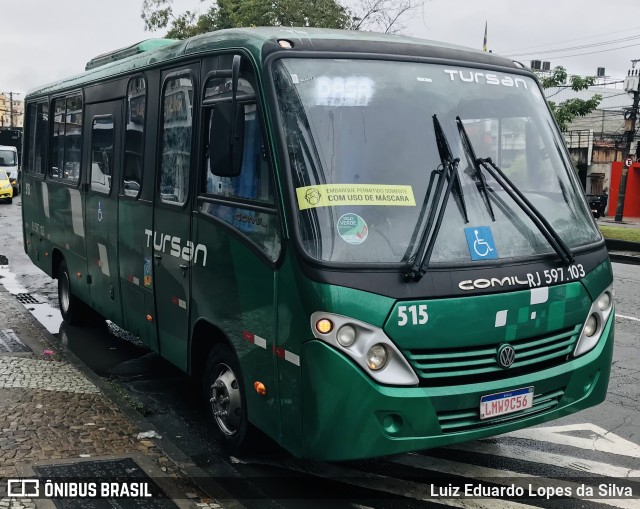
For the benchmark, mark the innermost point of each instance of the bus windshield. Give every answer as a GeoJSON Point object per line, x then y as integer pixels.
{"type": "Point", "coordinates": [363, 151]}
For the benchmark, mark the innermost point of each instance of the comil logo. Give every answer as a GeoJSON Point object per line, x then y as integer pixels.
{"type": "Point", "coordinates": [23, 488]}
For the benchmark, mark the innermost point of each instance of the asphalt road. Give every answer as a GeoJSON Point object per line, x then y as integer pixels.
{"type": "Point", "coordinates": [602, 441]}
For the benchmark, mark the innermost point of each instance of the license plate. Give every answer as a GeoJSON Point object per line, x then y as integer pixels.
{"type": "Point", "coordinates": [503, 403]}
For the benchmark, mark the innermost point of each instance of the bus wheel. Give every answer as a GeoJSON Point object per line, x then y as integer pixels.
{"type": "Point", "coordinates": [225, 399]}
{"type": "Point", "coordinates": [69, 305]}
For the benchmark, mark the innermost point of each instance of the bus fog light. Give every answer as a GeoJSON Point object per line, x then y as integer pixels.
{"type": "Point", "coordinates": [377, 357]}
{"type": "Point", "coordinates": [604, 302]}
{"type": "Point", "coordinates": [591, 326]}
{"type": "Point", "coordinates": [346, 336]}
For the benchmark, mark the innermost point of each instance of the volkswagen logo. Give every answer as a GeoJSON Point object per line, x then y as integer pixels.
{"type": "Point", "coordinates": [506, 355]}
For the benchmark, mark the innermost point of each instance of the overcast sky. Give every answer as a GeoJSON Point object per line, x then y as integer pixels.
{"type": "Point", "coordinates": [45, 40]}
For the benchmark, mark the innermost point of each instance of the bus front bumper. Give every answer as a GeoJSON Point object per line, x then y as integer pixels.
{"type": "Point", "coordinates": [348, 416]}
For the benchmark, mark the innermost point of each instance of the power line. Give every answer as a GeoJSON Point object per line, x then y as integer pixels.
{"type": "Point", "coordinates": [575, 39]}
{"type": "Point", "coordinates": [594, 52]}
{"type": "Point", "coordinates": [571, 48]}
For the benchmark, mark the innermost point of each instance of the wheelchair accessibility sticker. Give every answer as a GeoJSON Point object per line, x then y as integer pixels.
{"type": "Point", "coordinates": [481, 244]}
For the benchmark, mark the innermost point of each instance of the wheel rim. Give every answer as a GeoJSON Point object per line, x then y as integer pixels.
{"type": "Point", "coordinates": [65, 292]}
{"type": "Point", "coordinates": [226, 400]}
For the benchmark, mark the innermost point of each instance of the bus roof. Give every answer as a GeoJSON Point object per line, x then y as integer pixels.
{"type": "Point", "coordinates": [260, 42]}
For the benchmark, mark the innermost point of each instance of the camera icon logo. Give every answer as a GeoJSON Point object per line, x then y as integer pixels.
{"type": "Point", "coordinates": [23, 488]}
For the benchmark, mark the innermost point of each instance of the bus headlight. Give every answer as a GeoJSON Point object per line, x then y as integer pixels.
{"type": "Point", "coordinates": [595, 323]}
{"type": "Point", "coordinates": [376, 357]}
{"type": "Point", "coordinates": [346, 335]}
{"type": "Point", "coordinates": [368, 346]}
{"type": "Point", "coordinates": [591, 326]}
{"type": "Point", "coordinates": [604, 301]}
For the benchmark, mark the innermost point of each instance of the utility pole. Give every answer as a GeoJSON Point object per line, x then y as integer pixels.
{"type": "Point", "coordinates": [632, 86]}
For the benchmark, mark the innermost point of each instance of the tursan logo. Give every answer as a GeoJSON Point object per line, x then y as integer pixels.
{"type": "Point", "coordinates": [187, 252]}
{"type": "Point", "coordinates": [481, 284]}
{"type": "Point", "coordinates": [485, 78]}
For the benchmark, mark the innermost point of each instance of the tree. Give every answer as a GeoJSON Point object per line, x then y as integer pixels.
{"type": "Point", "coordinates": [385, 16]}
{"type": "Point", "coordinates": [566, 111]}
{"type": "Point", "coordinates": [375, 15]}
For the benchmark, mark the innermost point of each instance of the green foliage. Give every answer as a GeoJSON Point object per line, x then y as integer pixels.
{"type": "Point", "coordinates": [566, 111]}
{"type": "Point", "coordinates": [158, 14]}
{"type": "Point", "coordinates": [377, 15]}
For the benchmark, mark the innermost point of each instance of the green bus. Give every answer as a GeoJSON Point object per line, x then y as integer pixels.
{"type": "Point", "coordinates": [361, 244]}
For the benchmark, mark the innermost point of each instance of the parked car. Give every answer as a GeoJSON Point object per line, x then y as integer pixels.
{"type": "Point", "coordinates": [9, 163]}
{"type": "Point", "coordinates": [6, 189]}
{"type": "Point", "coordinates": [598, 204]}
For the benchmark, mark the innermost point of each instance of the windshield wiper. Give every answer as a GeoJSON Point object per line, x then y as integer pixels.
{"type": "Point", "coordinates": [448, 171]}
{"type": "Point", "coordinates": [525, 205]}
{"type": "Point", "coordinates": [528, 208]}
{"type": "Point", "coordinates": [481, 181]}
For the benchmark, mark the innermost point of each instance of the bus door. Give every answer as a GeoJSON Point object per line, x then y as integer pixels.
{"type": "Point", "coordinates": [102, 168]}
{"type": "Point", "coordinates": [173, 251]}
{"type": "Point", "coordinates": [237, 223]}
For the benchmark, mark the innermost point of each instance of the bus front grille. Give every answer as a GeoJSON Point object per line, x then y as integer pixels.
{"type": "Point", "coordinates": [468, 419]}
{"type": "Point", "coordinates": [455, 366]}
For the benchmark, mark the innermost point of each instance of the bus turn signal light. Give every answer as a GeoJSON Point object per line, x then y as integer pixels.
{"type": "Point", "coordinates": [260, 388]}
{"type": "Point", "coordinates": [324, 326]}
{"type": "Point", "coordinates": [149, 318]}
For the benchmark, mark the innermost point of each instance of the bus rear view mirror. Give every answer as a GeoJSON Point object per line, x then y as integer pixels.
{"type": "Point", "coordinates": [226, 145]}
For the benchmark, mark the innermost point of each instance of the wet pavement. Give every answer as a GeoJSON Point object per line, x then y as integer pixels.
{"type": "Point", "coordinates": [53, 411]}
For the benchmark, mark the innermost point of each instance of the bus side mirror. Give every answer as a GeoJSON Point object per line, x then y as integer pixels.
{"type": "Point", "coordinates": [226, 145]}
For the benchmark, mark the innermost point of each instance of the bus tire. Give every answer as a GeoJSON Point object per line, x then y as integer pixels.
{"type": "Point", "coordinates": [70, 306]}
{"type": "Point", "coordinates": [225, 399]}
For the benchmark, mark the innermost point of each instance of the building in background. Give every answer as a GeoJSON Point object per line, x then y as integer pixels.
{"type": "Point", "coordinates": [11, 111]}
{"type": "Point", "coordinates": [598, 139]}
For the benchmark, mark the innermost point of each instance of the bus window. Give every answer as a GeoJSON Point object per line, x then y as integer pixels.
{"type": "Point", "coordinates": [66, 143]}
{"type": "Point", "coordinates": [134, 137]}
{"type": "Point", "coordinates": [40, 147]}
{"type": "Point", "coordinates": [176, 140]}
{"type": "Point", "coordinates": [102, 154]}
{"type": "Point", "coordinates": [254, 182]}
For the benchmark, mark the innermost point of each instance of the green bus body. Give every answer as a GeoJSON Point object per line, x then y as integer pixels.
{"type": "Point", "coordinates": [186, 269]}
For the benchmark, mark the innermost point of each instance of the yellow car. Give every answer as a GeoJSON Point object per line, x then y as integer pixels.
{"type": "Point", "coordinates": [6, 189]}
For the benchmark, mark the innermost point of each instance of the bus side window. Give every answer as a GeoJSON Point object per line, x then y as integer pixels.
{"type": "Point", "coordinates": [176, 140]}
{"type": "Point", "coordinates": [254, 181]}
{"type": "Point", "coordinates": [134, 137]}
{"type": "Point", "coordinates": [66, 143]}
{"type": "Point", "coordinates": [102, 154]}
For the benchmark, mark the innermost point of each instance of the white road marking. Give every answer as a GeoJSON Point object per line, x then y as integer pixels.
{"type": "Point", "coordinates": [599, 440]}
{"type": "Point", "coordinates": [503, 477]}
{"type": "Point", "coordinates": [545, 458]}
{"type": "Point", "coordinates": [45, 313]}
{"type": "Point", "coordinates": [628, 317]}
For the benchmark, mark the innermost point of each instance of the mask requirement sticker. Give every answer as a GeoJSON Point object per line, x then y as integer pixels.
{"type": "Point", "coordinates": [331, 195]}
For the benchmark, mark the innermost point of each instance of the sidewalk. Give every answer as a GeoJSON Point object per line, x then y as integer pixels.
{"type": "Point", "coordinates": [621, 251]}
{"type": "Point", "coordinates": [56, 420]}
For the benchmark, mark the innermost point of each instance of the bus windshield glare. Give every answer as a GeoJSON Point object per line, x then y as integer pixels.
{"type": "Point", "coordinates": [363, 150]}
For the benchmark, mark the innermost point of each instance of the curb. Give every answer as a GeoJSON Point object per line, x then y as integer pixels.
{"type": "Point", "coordinates": [622, 245]}
{"type": "Point", "coordinates": [629, 259]}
